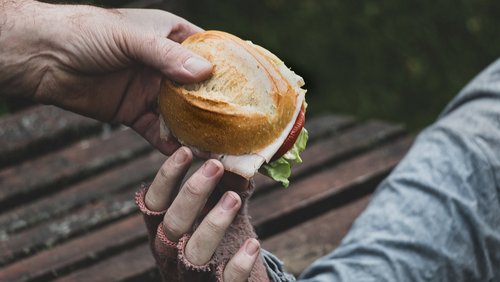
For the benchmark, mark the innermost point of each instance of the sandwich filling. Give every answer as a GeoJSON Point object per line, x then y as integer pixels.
{"type": "Point", "coordinates": [248, 165]}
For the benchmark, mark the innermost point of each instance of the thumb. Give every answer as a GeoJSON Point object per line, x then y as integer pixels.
{"type": "Point", "coordinates": [171, 58]}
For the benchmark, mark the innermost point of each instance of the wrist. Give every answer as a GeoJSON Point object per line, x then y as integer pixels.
{"type": "Point", "coordinates": [22, 59]}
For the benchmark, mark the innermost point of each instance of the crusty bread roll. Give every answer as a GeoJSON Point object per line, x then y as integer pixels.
{"type": "Point", "coordinates": [242, 108]}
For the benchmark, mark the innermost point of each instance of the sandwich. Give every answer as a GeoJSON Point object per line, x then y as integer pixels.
{"type": "Point", "coordinates": [249, 114]}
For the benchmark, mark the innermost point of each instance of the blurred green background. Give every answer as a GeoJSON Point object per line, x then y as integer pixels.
{"type": "Point", "coordinates": [394, 60]}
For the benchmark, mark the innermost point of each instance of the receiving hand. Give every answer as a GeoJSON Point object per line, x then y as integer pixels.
{"type": "Point", "coordinates": [195, 234]}
{"type": "Point", "coordinates": [103, 63]}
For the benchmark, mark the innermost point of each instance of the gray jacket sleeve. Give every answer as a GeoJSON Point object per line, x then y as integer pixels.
{"type": "Point", "coordinates": [437, 215]}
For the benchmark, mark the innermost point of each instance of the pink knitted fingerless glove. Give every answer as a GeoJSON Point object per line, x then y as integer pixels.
{"type": "Point", "coordinates": [170, 256]}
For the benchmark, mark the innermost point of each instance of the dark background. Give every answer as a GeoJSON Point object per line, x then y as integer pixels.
{"type": "Point", "coordinates": [393, 60]}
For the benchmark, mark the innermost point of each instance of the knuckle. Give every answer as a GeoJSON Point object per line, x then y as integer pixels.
{"type": "Point", "coordinates": [214, 227]}
{"type": "Point", "coordinates": [152, 201]}
{"type": "Point", "coordinates": [172, 50]}
{"type": "Point", "coordinates": [239, 270]}
{"type": "Point", "coordinates": [193, 255]}
{"type": "Point", "coordinates": [172, 228]}
{"type": "Point", "coordinates": [192, 190]}
{"type": "Point", "coordinates": [165, 171]}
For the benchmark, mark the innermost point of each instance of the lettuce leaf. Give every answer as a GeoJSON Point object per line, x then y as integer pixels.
{"type": "Point", "coordinates": [281, 169]}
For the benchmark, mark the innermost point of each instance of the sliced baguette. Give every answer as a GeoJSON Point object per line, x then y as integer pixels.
{"type": "Point", "coordinates": [243, 108]}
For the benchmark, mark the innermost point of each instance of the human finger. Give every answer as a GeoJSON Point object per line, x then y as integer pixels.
{"type": "Point", "coordinates": [205, 239]}
{"type": "Point", "coordinates": [168, 179]}
{"type": "Point", "coordinates": [229, 182]}
{"type": "Point", "coordinates": [182, 29]}
{"type": "Point", "coordinates": [240, 265]}
{"type": "Point", "coordinates": [160, 22]}
{"type": "Point", "coordinates": [169, 57]}
{"type": "Point", "coordinates": [147, 126]}
{"type": "Point", "coordinates": [191, 199]}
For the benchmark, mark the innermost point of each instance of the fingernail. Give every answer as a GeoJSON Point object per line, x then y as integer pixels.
{"type": "Point", "coordinates": [252, 247]}
{"type": "Point", "coordinates": [228, 202]}
{"type": "Point", "coordinates": [180, 156]}
{"type": "Point", "coordinates": [210, 169]}
{"type": "Point", "coordinates": [195, 65]}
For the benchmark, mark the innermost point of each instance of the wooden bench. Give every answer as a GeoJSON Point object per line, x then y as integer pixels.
{"type": "Point", "coordinates": [67, 184]}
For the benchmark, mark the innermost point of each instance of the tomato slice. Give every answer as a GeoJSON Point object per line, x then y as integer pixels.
{"type": "Point", "coordinates": [292, 136]}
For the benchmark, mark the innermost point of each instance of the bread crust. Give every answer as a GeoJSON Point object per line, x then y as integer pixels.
{"type": "Point", "coordinates": [231, 119]}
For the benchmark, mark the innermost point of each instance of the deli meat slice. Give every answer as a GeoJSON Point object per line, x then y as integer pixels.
{"type": "Point", "coordinates": [248, 165]}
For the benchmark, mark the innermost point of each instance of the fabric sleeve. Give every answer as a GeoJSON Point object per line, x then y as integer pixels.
{"type": "Point", "coordinates": [275, 269]}
{"type": "Point", "coordinates": [437, 215]}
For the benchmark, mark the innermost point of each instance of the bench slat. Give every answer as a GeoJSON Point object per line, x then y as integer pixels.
{"type": "Point", "coordinates": [102, 206]}
{"type": "Point", "coordinates": [99, 186]}
{"type": "Point", "coordinates": [131, 263]}
{"type": "Point", "coordinates": [297, 247]}
{"type": "Point", "coordinates": [38, 129]}
{"type": "Point", "coordinates": [327, 125]}
{"type": "Point", "coordinates": [91, 156]}
{"type": "Point", "coordinates": [47, 208]}
{"type": "Point", "coordinates": [303, 244]}
{"type": "Point", "coordinates": [54, 232]}
{"type": "Point", "coordinates": [304, 199]}
{"type": "Point", "coordinates": [48, 173]}
{"type": "Point", "coordinates": [328, 150]}
{"type": "Point", "coordinates": [77, 253]}
{"type": "Point", "coordinates": [356, 170]}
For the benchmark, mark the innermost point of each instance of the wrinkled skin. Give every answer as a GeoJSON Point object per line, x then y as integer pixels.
{"type": "Point", "coordinates": [101, 63]}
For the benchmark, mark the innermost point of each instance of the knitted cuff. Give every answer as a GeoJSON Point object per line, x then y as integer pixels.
{"type": "Point", "coordinates": [151, 218]}
{"type": "Point", "coordinates": [163, 248]}
{"type": "Point", "coordinates": [181, 247]}
{"type": "Point", "coordinates": [191, 272]}
{"type": "Point", "coordinates": [219, 273]}
{"type": "Point", "coordinates": [140, 202]}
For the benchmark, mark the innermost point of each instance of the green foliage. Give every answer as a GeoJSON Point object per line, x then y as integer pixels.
{"type": "Point", "coordinates": [395, 60]}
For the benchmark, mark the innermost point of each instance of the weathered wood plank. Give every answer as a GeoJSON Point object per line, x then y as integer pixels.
{"type": "Point", "coordinates": [308, 197]}
{"type": "Point", "coordinates": [303, 244]}
{"type": "Point", "coordinates": [327, 125]}
{"type": "Point", "coordinates": [47, 173]}
{"type": "Point", "coordinates": [77, 195]}
{"type": "Point", "coordinates": [110, 209]}
{"type": "Point", "coordinates": [79, 252]}
{"type": "Point", "coordinates": [54, 232]}
{"type": "Point", "coordinates": [341, 178]}
{"type": "Point", "coordinates": [330, 150]}
{"type": "Point", "coordinates": [122, 267]}
{"type": "Point", "coordinates": [37, 238]}
{"type": "Point", "coordinates": [38, 129]}
{"type": "Point", "coordinates": [92, 189]}
{"type": "Point", "coordinates": [297, 247]}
